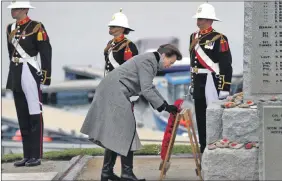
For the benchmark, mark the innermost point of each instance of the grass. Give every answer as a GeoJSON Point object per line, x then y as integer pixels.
{"type": "Point", "coordinates": [67, 154]}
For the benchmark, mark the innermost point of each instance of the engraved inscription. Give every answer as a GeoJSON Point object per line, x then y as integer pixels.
{"type": "Point", "coordinates": [272, 141]}
{"type": "Point", "coordinates": [266, 65]}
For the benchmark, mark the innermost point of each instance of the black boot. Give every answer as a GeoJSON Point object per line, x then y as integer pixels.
{"type": "Point", "coordinates": [127, 168]}
{"type": "Point", "coordinates": [33, 162]}
{"type": "Point", "coordinates": [21, 163]}
{"type": "Point", "coordinates": [108, 166]}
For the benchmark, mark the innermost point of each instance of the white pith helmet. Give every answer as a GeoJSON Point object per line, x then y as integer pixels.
{"type": "Point", "coordinates": [120, 19]}
{"type": "Point", "coordinates": [206, 11]}
{"type": "Point", "coordinates": [20, 4]}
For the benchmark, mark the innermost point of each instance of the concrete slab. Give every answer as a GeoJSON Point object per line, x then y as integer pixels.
{"type": "Point", "coordinates": [144, 167]}
{"type": "Point", "coordinates": [46, 166]}
{"type": "Point", "coordinates": [76, 168]}
{"type": "Point", "coordinates": [29, 176]}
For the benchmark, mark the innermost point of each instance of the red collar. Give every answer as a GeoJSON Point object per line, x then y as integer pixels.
{"type": "Point", "coordinates": [205, 31]}
{"type": "Point", "coordinates": [118, 39]}
{"type": "Point", "coordinates": [23, 21]}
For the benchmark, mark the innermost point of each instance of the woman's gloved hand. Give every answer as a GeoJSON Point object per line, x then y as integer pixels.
{"type": "Point", "coordinates": [171, 109]}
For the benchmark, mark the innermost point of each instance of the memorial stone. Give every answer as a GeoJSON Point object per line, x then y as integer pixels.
{"type": "Point", "coordinates": [262, 75]}
{"type": "Point", "coordinates": [263, 50]}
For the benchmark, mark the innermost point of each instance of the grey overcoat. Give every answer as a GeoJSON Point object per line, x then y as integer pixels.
{"type": "Point", "coordinates": [110, 121]}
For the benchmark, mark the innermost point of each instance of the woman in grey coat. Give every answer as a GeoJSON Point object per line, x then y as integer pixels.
{"type": "Point", "coordinates": [110, 121]}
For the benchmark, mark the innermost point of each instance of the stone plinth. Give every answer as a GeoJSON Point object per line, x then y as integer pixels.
{"type": "Point", "coordinates": [235, 124]}
{"type": "Point", "coordinates": [214, 122]}
{"type": "Point", "coordinates": [241, 124]}
{"type": "Point", "coordinates": [229, 164]}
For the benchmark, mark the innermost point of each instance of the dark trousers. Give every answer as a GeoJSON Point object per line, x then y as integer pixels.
{"type": "Point", "coordinates": [31, 127]}
{"type": "Point", "coordinates": [200, 109]}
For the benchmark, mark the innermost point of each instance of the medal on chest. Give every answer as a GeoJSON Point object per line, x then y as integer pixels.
{"type": "Point", "coordinates": [23, 35]}
{"type": "Point", "coordinates": [209, 44]}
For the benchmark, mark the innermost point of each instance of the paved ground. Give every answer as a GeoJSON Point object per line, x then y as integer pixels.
{"type": "Point", "coordinates": [46, 176]}
{"type": "Point", "coordinates": [46, 166]}
{"type": "Point", "coordinates": [145, 167]}
{"type": "Point", "coordinates": [46, 171]}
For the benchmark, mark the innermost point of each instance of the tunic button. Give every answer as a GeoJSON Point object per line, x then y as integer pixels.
{"type": "Point", "coordinates": [196, 66]}
{"type": "Point", "coordinates": [108, 66]}
{"type": "Point", "coordinates": [219, 81]}
{"type": "Point", "coordinates": [195, 62]}
{"type": "Point", "coordinates": [18, 31]}
{"type": "Point", "coordinates": [195, 57]}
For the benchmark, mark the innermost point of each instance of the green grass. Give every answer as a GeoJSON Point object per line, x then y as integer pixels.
{"type": "Point", "coordinates": [67, 154]}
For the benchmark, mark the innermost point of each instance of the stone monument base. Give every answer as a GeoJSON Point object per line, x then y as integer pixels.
{"type": "Point", "coordinates": [239, 125]}
{"type": "Point", "coordinates": [230, 164]}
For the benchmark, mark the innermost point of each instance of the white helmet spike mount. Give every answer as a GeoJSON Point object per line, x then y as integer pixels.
{"type": "Point", "coordinates": [206, 11]}
{"type": "Point", "coordinates": [20, 4]}
{"type": "Point", "coordinates": [120, 19]}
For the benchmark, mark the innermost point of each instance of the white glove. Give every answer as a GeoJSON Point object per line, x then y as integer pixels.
{"type": "Point", "coordinates": [223, 94]}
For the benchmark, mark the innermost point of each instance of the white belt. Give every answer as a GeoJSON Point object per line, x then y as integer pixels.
{"type": "Point", "coordinates": [199, 70]}
{"type": "Point", "coordinates": [31, 60]}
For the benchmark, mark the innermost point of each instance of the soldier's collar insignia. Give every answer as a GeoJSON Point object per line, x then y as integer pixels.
{"type": "Point", "coordinates": [21, 22]}
{"type": "Point", "coordinates": [206, 30]}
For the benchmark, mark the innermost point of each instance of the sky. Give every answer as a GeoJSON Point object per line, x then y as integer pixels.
{"type": "Point", "coordinates": [78, 31]}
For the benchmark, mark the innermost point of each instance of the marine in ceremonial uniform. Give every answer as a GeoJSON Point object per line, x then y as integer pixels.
{"type": "Point", "coordinates": [26, 39]}
{"type": "Point", "coordinates": [118, 51]}
{"type": "Point", "coordinates": [211, 66]}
